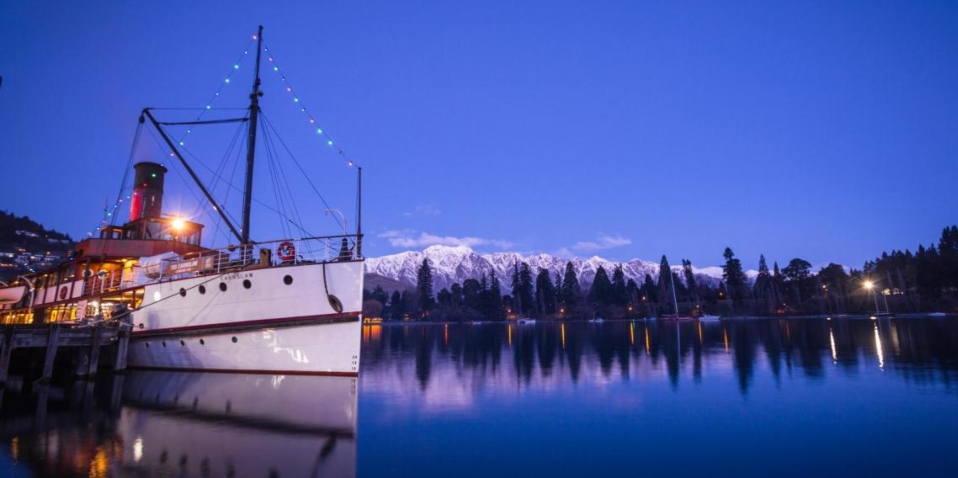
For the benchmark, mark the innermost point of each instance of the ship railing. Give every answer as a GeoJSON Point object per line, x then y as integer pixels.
{"type": "Point", "coordinates": [280, 252]}
{"type": "Point", "coordinates": [104, 281]}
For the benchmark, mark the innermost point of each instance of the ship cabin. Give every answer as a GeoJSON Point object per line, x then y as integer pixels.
{"type": "Point", "coordinates": [104, 271]}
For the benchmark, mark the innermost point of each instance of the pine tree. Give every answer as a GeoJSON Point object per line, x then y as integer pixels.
{"type": "Point", "coordinates": [601, 291]}
{"type": "Point", "coordinates": [648, 289]}
{"type": "Point", "coordinates": [619, 296]}
{"type": "Point", "coordinates": [424, 287]}
{"type": "Point", "coordinates": [545, 293]}
{"type": "Point", "coordinates": [690, 280]}
{"type": "Point", "coordinates": [471, 291]}
{"type": "Point", "coordinates": [570, 287]}
{"type": "Point", "coordinates": [762, 290]}
{"type": "Point", "coordinates": [516, 289]}
{"type": "Point", "coordinates": [734, 277]}
{"type": "Point", "coordinates": [397, 311]}
{"type": "Point", "coordinates": [456, 291]}
{"type": "Point", "coordinates": [495, 297]}
{"type": "Point", "coordinates": [798, 280]}
{"type": "Point", "coordinates": [632, 294]}
{"type": "Point", "coordinates": [558, 289]}
{"type": "Point", "coordinates": [948, 257]}
{"type": "Point", "coordinates": [525, 288]}
{"type": "Point", "coordinates": [664, 291]}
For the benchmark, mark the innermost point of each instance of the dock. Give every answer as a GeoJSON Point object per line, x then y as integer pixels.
{"type": "Point", "coordinates": [86, 340]}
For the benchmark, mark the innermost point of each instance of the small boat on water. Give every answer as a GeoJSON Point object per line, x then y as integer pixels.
{"type": "Point", "coordinates": [525, 320]}
{"type": "Point", "coordinates": [291, 305]}
{"type": "Point", "coordinates": [709, 318]}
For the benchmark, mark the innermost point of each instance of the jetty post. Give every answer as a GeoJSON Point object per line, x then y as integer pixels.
{"type": "Point", "coordinates": [51, 355]}
{"type": "Point", "coordinates": [6, 350]}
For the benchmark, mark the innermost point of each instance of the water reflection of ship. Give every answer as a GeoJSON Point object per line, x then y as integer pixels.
{"type": "Point", "coordinates": [239, 425]}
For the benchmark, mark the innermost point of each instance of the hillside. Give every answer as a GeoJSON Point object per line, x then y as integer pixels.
{"type": "Point", "coordinates": [27, 246]}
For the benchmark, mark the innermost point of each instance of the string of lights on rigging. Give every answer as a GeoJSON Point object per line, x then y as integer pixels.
{"type": "Point", "coordinates": [328, 140]}
{"type": "Point", "coordinates": [110, 212]}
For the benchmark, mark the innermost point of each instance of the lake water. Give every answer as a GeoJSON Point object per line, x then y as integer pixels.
{"type": "Point", "coordinates": [735, 398]}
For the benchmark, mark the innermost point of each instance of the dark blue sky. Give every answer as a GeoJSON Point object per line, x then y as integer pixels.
{"type": "Point", "coordinates": [821, 130]}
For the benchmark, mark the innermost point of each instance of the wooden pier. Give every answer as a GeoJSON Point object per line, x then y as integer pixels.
{"type": "Point", "coordinates": [86, 340]}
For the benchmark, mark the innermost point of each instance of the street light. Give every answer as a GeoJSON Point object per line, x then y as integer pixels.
{"type": "Point", "coordinates": [871, 286]}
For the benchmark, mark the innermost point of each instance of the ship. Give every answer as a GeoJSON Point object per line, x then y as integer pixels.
{"type": "Point", "coordinates": [283, 306]}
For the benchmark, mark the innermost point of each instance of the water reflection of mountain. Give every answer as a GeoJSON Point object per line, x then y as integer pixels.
{"type": "Point", "coordinates": [551, 354]}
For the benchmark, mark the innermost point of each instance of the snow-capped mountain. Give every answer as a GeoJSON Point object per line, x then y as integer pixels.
{"type": "Point", "coordinates": [456, 264]}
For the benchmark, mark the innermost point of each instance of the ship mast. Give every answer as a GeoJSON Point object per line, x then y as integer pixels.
{"type": "Point", "coordinates": [251, 142]}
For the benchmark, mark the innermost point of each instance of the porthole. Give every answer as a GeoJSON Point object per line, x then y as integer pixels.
{"type": "Point", "coordinates": [223, 286]}
{"type": "Point", "coordinates": [182, 292]}
{"type": "Point", "coordinates": [202, 342]}
{"type": "Point", "coordinates": [234, 340]}
{"type": "Point", "coordinates": [202, 289]}
{"type": "Point", "coordinates": [141, 325]}
{"type": "Point", "coordinates": [288, 279]}
{"type": "Point", "coordinates": [247, 284]}
{"type": "Point", "coordinates": [182, 343]}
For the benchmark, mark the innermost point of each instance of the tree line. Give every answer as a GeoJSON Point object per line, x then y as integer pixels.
{"type": "Point", "coordinates": [896, 282]}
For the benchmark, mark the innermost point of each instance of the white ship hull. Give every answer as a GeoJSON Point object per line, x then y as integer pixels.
{"type": "Point", "coordinates": [301, 319]}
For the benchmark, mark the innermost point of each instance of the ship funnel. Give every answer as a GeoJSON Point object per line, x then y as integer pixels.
{"type": "Point", "coordinates": [147, 191]}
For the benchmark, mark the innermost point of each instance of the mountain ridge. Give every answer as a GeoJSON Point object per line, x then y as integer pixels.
{"type": "Point", "coordinates": [455, 264]}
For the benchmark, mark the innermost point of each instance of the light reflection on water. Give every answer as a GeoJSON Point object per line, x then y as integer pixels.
{"type": "Point", "coordinates": [782, 397]}
{"type": "Point", "coordinates": [744, 398]}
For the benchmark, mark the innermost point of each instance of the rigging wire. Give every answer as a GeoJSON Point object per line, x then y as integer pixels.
{"type": "Point", "coordinates": [300, 167]}
{"type": "Point", "coordinates": [275, 172]}
{"type": "Point", "coordinates": [302, 107]}
{"type": "Point", "coordinates": [285, 206]}
{"type": "Point", "coordinates": [126, 175]}
{"type": "Point", "coordinates": [123, 185]}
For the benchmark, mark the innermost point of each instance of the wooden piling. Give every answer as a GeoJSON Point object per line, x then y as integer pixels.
{"type": "Point", "coordinates": [6, 349]}
{"type": "Point", "coordinates": [122, 344]}
{"type": "Point", "coordinates": [85, 341]}
{"type": "Point", "coordinates": [94, 352]}
{"type": "Point", "coordinates": [51, 355]}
